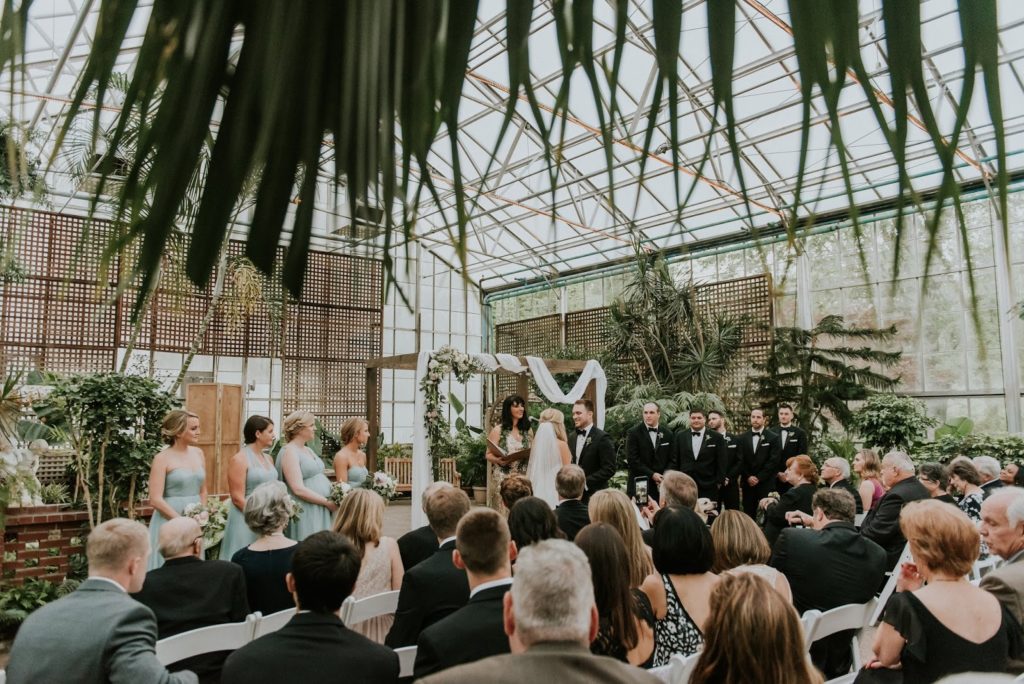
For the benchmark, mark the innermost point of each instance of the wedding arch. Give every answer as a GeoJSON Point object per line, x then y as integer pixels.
{"type": "Point", "coordinates": [432, 367]}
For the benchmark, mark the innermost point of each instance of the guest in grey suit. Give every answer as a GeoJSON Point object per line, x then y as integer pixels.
{"type": "Point", "coordinates": [98, 633]}
{"type": "Point", "coordinates": [550, 619]}
{"type": "Point", "coordinates": [1002, 528]}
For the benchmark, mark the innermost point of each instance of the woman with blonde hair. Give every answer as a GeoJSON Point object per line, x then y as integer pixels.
{"type": "Point", "coordinates": [303, 472]}
{"type": "Point", "coordinates": [549, 453]}
{"type": "Point", "coordinates": [350, 461]}
{"type": "Point", "coordinates": [361, 519]}
{"type": "Point", "coordinates": [740, 546]}
{"type": "Point", "coordinates": [613, 507]}
{"type": "Point", "coordinates": [752, 634]}
{"type": "Point", "coordinates": [868, 467]}
{"type": "Point", "coordinates": [177, 477]}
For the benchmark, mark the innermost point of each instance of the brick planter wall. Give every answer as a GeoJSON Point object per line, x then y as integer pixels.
{"type": "Point", "coordinates": [38, 541]}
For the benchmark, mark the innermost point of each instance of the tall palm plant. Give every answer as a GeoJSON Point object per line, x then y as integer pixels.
{"type": "Point", "coordinates": [818, 373]}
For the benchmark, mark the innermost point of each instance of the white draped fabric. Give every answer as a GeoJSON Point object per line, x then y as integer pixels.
{"type": "Point", "coordinates": [422, 475]}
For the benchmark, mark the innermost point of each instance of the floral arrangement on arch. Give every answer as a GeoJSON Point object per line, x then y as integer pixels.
{"type": "Point", "coordinates": [212, 518]}
{"type": "Point", "coordinates": [445, 361]}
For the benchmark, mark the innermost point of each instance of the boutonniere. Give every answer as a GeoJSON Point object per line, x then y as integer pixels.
{"type": "Point", "coordinates": [660, 435]}
{"type": "Point", "coordinates": [587, 443]}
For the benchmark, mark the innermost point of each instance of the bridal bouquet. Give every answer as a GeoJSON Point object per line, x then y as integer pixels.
{"type": "Point", "coordinates": [212, 518]}
{"type": "Point", "coordinates": [339, 490]}
{"type": "Point", "coordinates": [385, 485]}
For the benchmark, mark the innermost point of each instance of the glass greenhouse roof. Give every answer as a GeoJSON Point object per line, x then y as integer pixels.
{"type": "Point", "coordinates": [521, 230]}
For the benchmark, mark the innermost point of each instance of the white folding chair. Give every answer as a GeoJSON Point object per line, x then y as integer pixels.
{"type": "Point", "coordinates": [890, 585]}
{"type": "Point", "coordinates": [354, 611]}
{"type": "Point", "coordinates": [273, 622]}
{"type": "Point", "coordinates": [406, 660]}
{"type": "Point", "coordinates": [227, 637]}
{"type": "Point", "coordinates": [3, 676]}
{"type": "Point", "coordinates": [982, 568]}
{"type": "Point", "coordinates": [678, 670]}
{"type": "Point", "coordinates": [858, 519]}
{"type": "Point", "coordinates": [808, 621]}
{"type": "Point", "coordinates": [853, 616]}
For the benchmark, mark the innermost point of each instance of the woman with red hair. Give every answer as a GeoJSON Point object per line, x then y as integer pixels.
{"type": "Point", "coordinates": [802, 474]}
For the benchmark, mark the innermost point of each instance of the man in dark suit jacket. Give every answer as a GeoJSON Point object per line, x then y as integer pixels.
{"type": "Point", "coordinates": [792, 442]}
{"type": "Point", "coordinates": [701, 454]}
{"type": "Point", "coordinates": [484, 549]}
{"type": "Point", "coordinates": [729, 496]}
{"type": "Point", "coordinates": [989, 468]}
{"type": "Point", "coordinates": [591, 448]}
{"type": "Point", "coordinates": [420, 544]}
{"type": "Point", "coordinates": [97, 633]}
{"type": "Point", "coordinates": [835, 473]}
{"type": "Point", "coordinates": [882, 523]}
{"type": "Point", "coordinates": [829, 566]}
{"type": "Point", "coordinates": [649, 450]}
{"type": "Point", "coordinates": [187, 592]}
{"type": "Point", "coordinates": [315, 643]}
{"type": "Point", "coordinates": [548, 645]}
{"type": "Point", "coordinates": [435, 588]}
{"type": "Point", "coordinates": [571, 512]}
{"type": "Point", "coordinates": [760, 452]}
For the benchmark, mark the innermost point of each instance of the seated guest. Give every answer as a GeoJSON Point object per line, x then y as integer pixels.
{"type": "Point", "coordinates": [266, 561]}
{"type": "Point", "coordinates": [513, 488]}
{"type": "Point", "coordinates": [802, 475]}
{"type": "Point", "coordinates": [1008, 474]}
{"type": "Point", "coordinates": [315, 644]}
{"type": "Point", "coordinates": [187, 592]}
{"type": "Point", "coordinates": [868, 468]}
{"type": "Point", "coordinates": [937, 623]}
{"type": "Point", "coordinates": [882, 523]}
{"type": "Point", "coordinates": [550, 619]}
{"type": "Point", "coordinates": [571, 512]}
{"type": "Point", "coordinates": [361, 519]}
{"type": "Point", "coordinates": [829, 565]}
{"type": "Point", "coordinates": [531, 520]}
{"type": "Point", "coordinates": [626, 630]}
{"type": "Point", "coordinates": [966, 480]}
{"type": "Point", "coordinates": [420, 544]}
{"type": "Point", "coordinates": [484, 549]}
{"type": "Point", "coordinates": [835, 473]}
{"type": "Point", "coordinates": [681, 584]}
{"type": "Point", "coordinates": [677, 489]}
{"type": "Point", "coordinates": [740, 546]}
{"type": "Point", "coordinates": [990, 470]}
{"type": "Point", "coordinates": [752, 634]}
{"type": "Point", "coordinates": [613, 507]}
{"type": "Point", "coordinates": [1002, 528]}
{"type": "Point", "coordinates": [935, 478]}
{"type": "Point", "coordinates": [97, 633]}
{"type": "Point", "coordinates": [435, 588]}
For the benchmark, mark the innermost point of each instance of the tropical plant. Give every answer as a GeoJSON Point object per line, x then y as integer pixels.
{"type": "Point", "coordinates": [1004, 448]}
{"type": "Point", "coordinates": [817, 374]}
{"type": "Point", "coordinates": [657, 332]}
{"type": "Point", "coordinates": [960, 426]}
{"type": "Point", "coordinates": [470, 460]}
{"type": "Point", "coordinates": [348, 77]}
{"type": "Point", "coordinates": [21, 170]}
{"type": "Point", "coordinates": [829, 446]}
{"type": "Point", "coordinates": [889, 421]}
{"type": "Point", "coordinates": [16, 602]}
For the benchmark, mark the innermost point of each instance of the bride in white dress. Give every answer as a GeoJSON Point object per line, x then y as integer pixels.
{"type": "Point", "coordinates": [549, 453]}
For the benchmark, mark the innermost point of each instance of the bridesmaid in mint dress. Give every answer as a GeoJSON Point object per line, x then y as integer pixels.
{"type": "Point", "coordinates": [249, 469]}
{"type": "Point", "coordinates": [177, 477]}
{"type": "Point", "coordinates": [350, 461]}
{"type": "Point", "coordinates": [303, 472]}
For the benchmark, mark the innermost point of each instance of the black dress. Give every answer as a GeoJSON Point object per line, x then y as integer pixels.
{"type": "Point", "coordinates": [607, 644]}
{"type": "Point", "coordinates": [264, 578]}
{"type": "Point", "coordinates": [796, 499]}
{"type": "Point", "coordinates": [933, 651]}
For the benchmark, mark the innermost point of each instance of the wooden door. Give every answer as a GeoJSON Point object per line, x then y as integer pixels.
{"type": "Point", "coordinates": [219, 408]}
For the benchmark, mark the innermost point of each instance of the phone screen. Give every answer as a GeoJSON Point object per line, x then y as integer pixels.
{"type": "Point", "coordinates": [641, 490]}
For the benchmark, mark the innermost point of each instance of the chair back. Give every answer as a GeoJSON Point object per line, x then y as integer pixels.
{"type": "Point", "coordinates": [273, 622]}
{"type": "Point", "coordinates": [982, 567]}
{"type": "Point", "coordinates": [406, 660]}
{"type": "Point", "coordinates": [855, 616]}
{"type": "Point", "coordinates": [226, 637]}
{"type": "Point", "coordinates": [678, 670]}
{"type": "Point", "coordinates": [809, 621]}
{"type": "Point", "coordinates": [354, 611]}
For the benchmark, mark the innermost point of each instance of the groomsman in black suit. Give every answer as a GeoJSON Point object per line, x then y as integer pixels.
{"type": "Point", "coordinates": [759, 461]}
{"type": "Point", "coordinates": [793, 442]}
{"type": "Point", "coordinates": [591, 448]}
{"type": "Point", "coordinates": [730, 496]}
{"type": "Point", "coordinates": [649, 449]}
{"type": "Point", "coordinates": [701, 454]}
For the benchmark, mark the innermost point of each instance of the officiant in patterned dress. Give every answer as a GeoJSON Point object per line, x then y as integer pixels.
{"type": "Point", "coordinates": [512, 434]}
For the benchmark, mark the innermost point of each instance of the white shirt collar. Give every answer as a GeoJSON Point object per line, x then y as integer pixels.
{"type": "Point", "coordinates": [446, 540]}
{"type": "Point", "coordinates": [107, 579]}
{"type": "Point", "coordinates": [504, 581]}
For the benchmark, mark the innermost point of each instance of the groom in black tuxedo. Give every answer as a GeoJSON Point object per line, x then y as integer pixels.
{"type": "Point", "coordinates": [591, 448]}
{"type": "Point", "coordinates": [649, 449]}
{"type": "Point", "coordinates": [701, 454]}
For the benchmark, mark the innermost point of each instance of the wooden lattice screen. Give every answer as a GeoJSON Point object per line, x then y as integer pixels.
{"type": "Point", "coordinates": [535, 336]}
{"type": "Point", "coordinates": [64, 320]}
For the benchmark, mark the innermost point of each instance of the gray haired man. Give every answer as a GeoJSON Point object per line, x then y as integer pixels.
{"type": "Point", "coordinates": [882, 524]}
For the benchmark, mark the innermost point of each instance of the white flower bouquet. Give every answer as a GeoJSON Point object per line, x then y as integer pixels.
{"type": "Point", "coordinates": [212, 518]}
{"type": "Point", "coordinates": [339, 490]}
{"type": "Point", "coordinates": [385, 485]}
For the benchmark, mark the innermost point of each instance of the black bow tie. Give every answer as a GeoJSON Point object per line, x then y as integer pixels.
{"type": "Point", "coordinates": [650, 429]}
{"type": "Point", "coordinates": [580, 432]}
{"type": "Point", "coordinates": [696, 434]}
{"type": "Point", "coordinates": [757, 434]}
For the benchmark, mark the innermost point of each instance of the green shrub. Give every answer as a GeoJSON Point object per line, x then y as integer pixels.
{"type": "Point", "coordinates": [1004, 448]}
{"type": "Point", "coordinates": [889, 421]}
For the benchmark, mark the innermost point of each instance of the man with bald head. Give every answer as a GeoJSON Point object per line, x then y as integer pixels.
{"type": "Point", "coordinates": [188, 592]}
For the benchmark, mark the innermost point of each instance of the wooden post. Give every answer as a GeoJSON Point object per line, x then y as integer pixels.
{"type": "Point", "coordinates": [372, 415]}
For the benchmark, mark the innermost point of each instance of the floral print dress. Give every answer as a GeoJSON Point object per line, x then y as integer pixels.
{"type": "Point", "coordinates": [509, 443]}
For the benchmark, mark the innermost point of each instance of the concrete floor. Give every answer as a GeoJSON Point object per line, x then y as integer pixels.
{"type": "Point", "coordinates": [397, 517]}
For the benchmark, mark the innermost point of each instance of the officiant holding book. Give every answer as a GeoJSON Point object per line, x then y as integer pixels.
{"type": "Point", "coordinates": [508, 446]}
